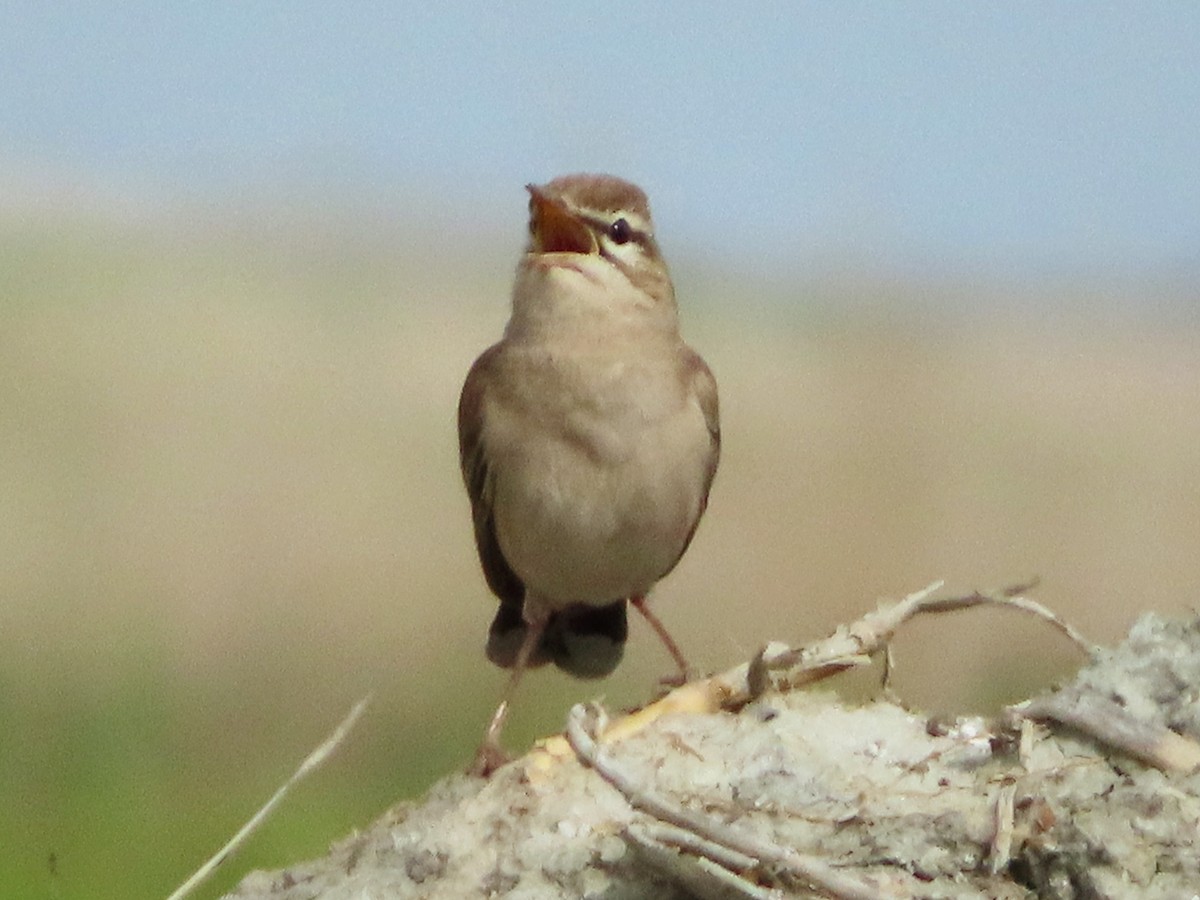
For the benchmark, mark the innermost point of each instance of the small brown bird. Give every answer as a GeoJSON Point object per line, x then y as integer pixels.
{"type": "Point", "coordinates": [588, 438]}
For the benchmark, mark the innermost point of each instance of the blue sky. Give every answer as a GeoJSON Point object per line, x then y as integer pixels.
{"type": "Point", "coordinates": [1003, 136]}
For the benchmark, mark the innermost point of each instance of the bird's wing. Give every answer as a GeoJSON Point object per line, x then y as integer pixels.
{"type": "Point", "coordinates": [473, 458]}
{"type": "Point", "coordinates": [701, 387]}
{"type": "Point", "coordinates": [704, 389]}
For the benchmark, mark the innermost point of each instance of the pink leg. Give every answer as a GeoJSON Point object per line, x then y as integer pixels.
{"type": "Point", "coordinates": [685, 670]}
{"type": "Point", "coordinates": [490, 756]}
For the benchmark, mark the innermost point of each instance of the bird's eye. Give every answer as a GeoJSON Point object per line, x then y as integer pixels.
{"type": "Point", "coordinates": [620, 231]}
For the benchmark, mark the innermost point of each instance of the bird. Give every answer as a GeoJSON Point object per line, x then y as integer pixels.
{"type": "Point", "coordinates": [589, 438]}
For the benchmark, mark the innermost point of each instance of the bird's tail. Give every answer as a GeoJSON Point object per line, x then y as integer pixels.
{"type": "Point", "coordinates": [584, 641]}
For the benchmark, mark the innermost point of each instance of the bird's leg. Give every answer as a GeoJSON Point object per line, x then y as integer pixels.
{"type": "Point", "coordinates": [490, 756]}
{"type": "Point", "coordinates": [685, 670]}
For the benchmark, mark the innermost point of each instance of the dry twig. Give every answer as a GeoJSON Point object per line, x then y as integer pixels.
{"type": "Point", "coordinates": [1104, 720]}
{"type": "Point", "coordinates": [311, 762]}
{"type": "Point", "coordinates": [768, 855]}
{"type": "Point", "coordinates": [780, 667]}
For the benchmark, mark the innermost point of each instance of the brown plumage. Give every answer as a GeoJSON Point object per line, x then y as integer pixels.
{"type": "Point", "coordinates": [588, 436]}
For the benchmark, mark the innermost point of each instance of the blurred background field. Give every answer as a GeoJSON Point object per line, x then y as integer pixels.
{"type": "Point", "coordinates": [232, 507]}
{"type": "Point", "coordinates": [944, 265]}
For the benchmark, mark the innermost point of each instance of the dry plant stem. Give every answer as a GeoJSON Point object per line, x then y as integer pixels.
{"type": "Point", "coordinates": [806, 869]}
{"type": "Point", "coordinates": [665, 835]}
{"type": "Point", "coordinates": [1025, 743]}
{"type": "Point", "coordinates": [705, 869]}
{"type": "Point", "coordinates": [1011, 596]}
{"type": "Point", "coordinates": [857, 642]}
{"type": "Point", "coordinates": [1000, 850]}
{"type": "Point", "coordinates": [780, 667]}
{"type": "Point", "coordinates": [1104, 720]}
{"type": "Point", "coordinates": [311, 762]}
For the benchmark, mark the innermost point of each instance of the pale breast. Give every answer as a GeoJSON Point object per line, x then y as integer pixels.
{"type": "Point", "coordinates": [600, 468]}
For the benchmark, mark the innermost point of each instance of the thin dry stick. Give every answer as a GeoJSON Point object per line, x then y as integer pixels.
{"type": "Point", "coordinates": [703, 868]}
{"type": "Point", "coordinates": [783, 668]}
{"type": "Point", "coordinates": [663, 835]}
{"type": "Point", "coordinates": [314, 759]}
{"type": "Point", "coordinates": [812, 871]}
{"type": "Point", "coordinates": [1011, 596]}
{"type": "Point", "coordinates": [1000, 849]}
{"type": "Point", "coordinates": [1111, 724]}
{"type": "Point", "coordinates": [857, 642]}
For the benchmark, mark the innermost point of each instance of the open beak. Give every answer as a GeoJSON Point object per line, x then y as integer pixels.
{"type": "Point", "coordinates": [554, 228]}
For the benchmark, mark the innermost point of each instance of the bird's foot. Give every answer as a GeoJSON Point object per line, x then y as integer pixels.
{"type": "Point", "coordinates": [488, 758]}
{"type": "Point", "coordinates": [678, 679]}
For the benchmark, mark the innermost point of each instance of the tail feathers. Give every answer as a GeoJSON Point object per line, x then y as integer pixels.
{"type": "Point", "coordinates": [508, 633]}
{"type": "Point", "coordinates": [588, 641]}
{"type": "Point", "coordinates": [583, 641]}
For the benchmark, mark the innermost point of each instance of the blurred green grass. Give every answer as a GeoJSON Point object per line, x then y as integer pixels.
{"type": "Point", "coordinates": [230, 506]}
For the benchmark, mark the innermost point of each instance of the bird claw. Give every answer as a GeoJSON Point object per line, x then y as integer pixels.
{"type": "Point", "coordinates": [488, 758]}
{"type": "Point", "coordinates": [668, 683]}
